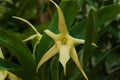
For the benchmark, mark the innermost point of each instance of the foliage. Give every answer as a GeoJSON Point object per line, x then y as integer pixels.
{"type": "Point", "coordinates": [95, 21]}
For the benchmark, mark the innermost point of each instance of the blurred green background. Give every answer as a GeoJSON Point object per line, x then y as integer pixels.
{"type": "Point", "coordinates": [104, 64]}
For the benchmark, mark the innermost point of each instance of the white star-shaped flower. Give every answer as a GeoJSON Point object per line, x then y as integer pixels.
{"type": "Point", "coordinates": [64, 45]}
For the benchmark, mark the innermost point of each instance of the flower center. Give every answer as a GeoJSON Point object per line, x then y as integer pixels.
{"type": "Point", "coordinates": [64, 40]}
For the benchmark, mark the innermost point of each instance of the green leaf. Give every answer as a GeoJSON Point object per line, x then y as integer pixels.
{"type": "Point", "coordinates": [114, 75]}
{"type": "Point", "coordinates": [44, 73]}
{"type": "Point", "coordinates": [113, 62]}
{"type": "Point", "coordinates": [103, 30]}
{"type": "Point", "coordinates": [91, 2]}
{"type": "Point", "coordinates": [78, 30]}
{"type": "Point", "coordinates": [102, 56]}
{"type": "Point", "coordinates": [81, 2]}
{"type": "Point", "coordinates": [54, 68]}
{"type": "Point", "coordinates": [100, 59]}
{"type": "Point", "coordinates": [8, 65]}
{"type": "Point", "coordinates": [90, 35]}
{"type": "Point", "coordinates": [21, 51]}
{"type": "Point", "coordinates": [104, 15]}
{"type": "Point", "coordinates": [108, 13]}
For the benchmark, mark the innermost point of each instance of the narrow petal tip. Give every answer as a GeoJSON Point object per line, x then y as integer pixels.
{"type": "Point", "coordinates": [64, 56]}
{"type": "Point", "coordinates": [30, 38]}
{"type": "Point", "coordinates": [24, 20]}
{"type": "Point", "coordinates": [79, 41]}
{"type": "Point", "coordinates": [77, 62]}
{"type": "Point", "coordinates": [50, 34]}
{"type": "Point", "coordinates": [94, 44]}
{"type": "Point", "coordinates": [1, 54]}
{"type": "Point", "coordinates": [46, 31]}
{"type": "Point", "coordinates": [61, 22]}
{"type": "Point", "coordinates": [49, 54]}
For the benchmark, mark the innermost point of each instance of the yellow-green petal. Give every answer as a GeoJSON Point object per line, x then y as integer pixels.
{"type": "Point", "coordinates": [79, 41]}
{"type": "Point", "coordinates": [3, 74]}
{"type": "Point", "coordinates": [38, 35]}
{"type": "Point", "coordinates": [94, 44]}
{"type": "Point", "coordinates": [61, 22]}
{"type": "Point", "coordinates": [11, 76]}
{"type": "Point", "coordinates": [77, 62]}
{"type": "Point", "coordinates": [64, 56]}
{"type": "Point", "coordinates": [30, 38]}
{"type": "Point", "coordinates": [50, 53]}
{"type": "Point", "coordinates": [27, 23]}
{"type": "Point", "coordinates": [34, 48]}
{"type": "Point", "coordinates": [51, 34]}
{"type": "Point", "coordinates": [1, 54]}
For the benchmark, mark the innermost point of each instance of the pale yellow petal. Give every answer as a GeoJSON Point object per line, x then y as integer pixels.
{"type": "Point", "coordinates": [50, 53]}
{"type": "Point", "coordinates": [30, 38]}
{"type": "Point", "coordinates": [64, 56]}
{"type": "Point", "coordinates": [61, 22]}
{"type": "Point", "coordinates": [94, 44]}
{"type": "Point", "coordinates": [64, 52]}
{"type": "Point", "coordinates": [27, 23]}
{"type": "Point", "coordinates": [11, 76]}
{"type": "Point", "coordinates": [77, 62]}
{"type": "Point", "coordinates": [1, 54]}
{"type": "Point", "coordinates": [79, 41]}
{"type": "Point", "coordinates": [3, 74]}
{"type": "Point", "coordinates": [34, 48]}
{"type": "Point", "coordinates": [51, 34]}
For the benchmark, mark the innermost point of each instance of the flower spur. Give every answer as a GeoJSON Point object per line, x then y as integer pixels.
{"type": "Point", "coordinates": [37, 35]}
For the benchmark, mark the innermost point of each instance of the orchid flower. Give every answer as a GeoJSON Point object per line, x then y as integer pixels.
{"type": "Point", "coordinates": [5, 73]}
{"type": "Point", "coordinates": [64, 45]}
{"type": "Point", "coordinates": [38, 35]}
